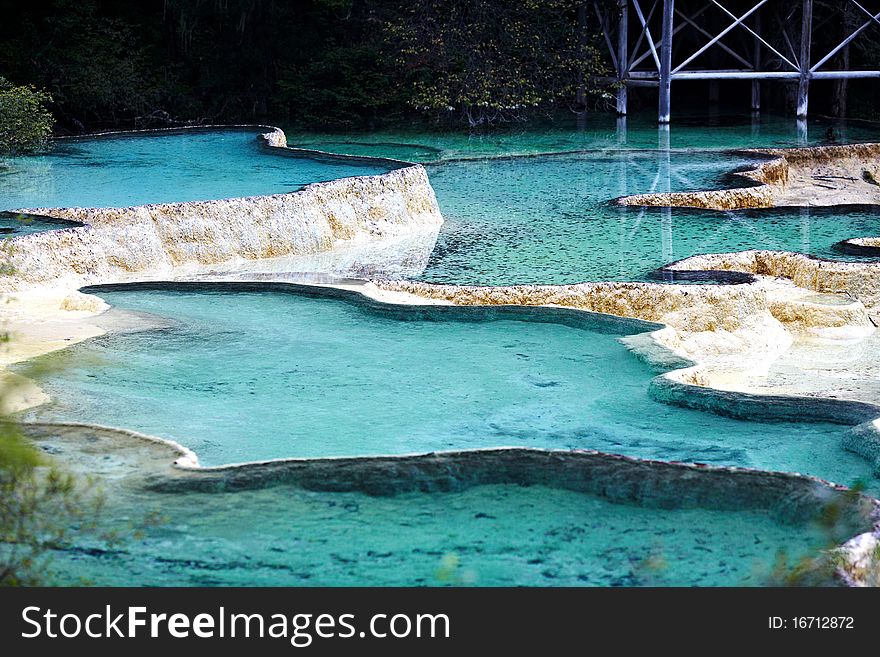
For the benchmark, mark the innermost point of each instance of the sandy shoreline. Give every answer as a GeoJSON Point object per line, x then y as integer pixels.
{"type": "Point", "coordinates": [38, 322]}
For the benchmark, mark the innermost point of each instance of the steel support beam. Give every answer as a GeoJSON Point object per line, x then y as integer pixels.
{"type": "Point", "coordinates": [688, 20]}
{"type": "Point", "coordinates": [737, 20]}
{"type": "Point", "coordinates": [665, 99]}
{"type": "Point", "coordinates": [875, 18]}
{"type": "Point", "coordinates": [678, 28]}
{"type": "Point", "coordinates": [606, 32]}
{"type": "Point", "coordinates": [771, 75]}
{"type": "Point", "coordinates": [622, 57]}
{"type": "Point", "coordinates": [736, 75]}
{"type": "Point", "coordinates": [804, 60]}
{"type": "Point", "coordinates": [783, 28]}
{"type": "Point", "coordinates": [646, 30]}
{"type": "Point", "coordinates": [752, 64]}
{"type": "Point", "coordinates": [843, 75]}
{"type": "Point", "coordinates": [646, 79]}
{"type": "Point", "coordinates": [756, 66]}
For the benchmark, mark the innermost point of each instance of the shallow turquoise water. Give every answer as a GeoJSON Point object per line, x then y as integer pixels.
{"type": "Point", "coordinates": [259, 375]}
{"type": "Point", "coordinates": [600, 131]}
{"type": "Point", "coordinates": [12, 224]}
{"type": "Point", "coordinates": [133, 170]}
{"type": "Point", "coordinates": [251, 376]}
{"type": "Point", "coordinates": [502, 535]}
{"type": "Point", "coordinates": [549, 219]}
{"type": "Point", "coordinates": [515, 216]}
{"type": "Point", "coordinates": [536, 219]}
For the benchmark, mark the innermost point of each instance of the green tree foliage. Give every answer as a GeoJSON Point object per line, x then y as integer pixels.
{"type": "Point", "coordinates": [346, 88]}
{"type": "Point", "coordinates": [338, 73]}
{"type": "Point", "coordinates": [95, 64]}
{"type": "Point", "coordinates": [350, 63]}
{"type": "Point", "coordinates": [314, 63]}
{"type": "Point", "coordinates": [25, 123]}
{"type": "Point", "coordinates": [837, 520]}
{"type": "Point", "coordinates": [493, 60]}
{"type": "Point", "coordinates": [41, 505]}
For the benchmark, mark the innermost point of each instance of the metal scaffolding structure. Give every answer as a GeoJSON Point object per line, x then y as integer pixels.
{"type": "Point", "coordinates": [736, 44]}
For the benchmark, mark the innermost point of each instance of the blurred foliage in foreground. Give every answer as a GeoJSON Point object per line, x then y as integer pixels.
{"type": "Point", "coordinates": [836, 525]}
{"type": "Point", "coordinates": [41, 505]}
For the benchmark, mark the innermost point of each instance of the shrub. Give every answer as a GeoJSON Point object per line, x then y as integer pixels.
{"type": "Point", "coordinates": [25, 123]}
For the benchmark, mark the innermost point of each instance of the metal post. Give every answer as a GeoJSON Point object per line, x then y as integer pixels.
{"type": "Point", "coordinates": [622, 214]}
{"type": "Point", "coordinates": [804, 61]}
{"type": "Point", "coordinates": [622, 57]}
{"type": "Point", "coordinates": [714, 92]}
{"type": "Point", "coordinates": [664, 178]}
{"type": "Point", "coordinates": [841, 86]}
{"type": "Point", "coordinates": [752, 65]}
{"type": "Point", "coordinates": [756, 65]}
{"type": "Point", "coordinates": [802, 132]}
{"type": "Point", "coordinates": [666, 62]}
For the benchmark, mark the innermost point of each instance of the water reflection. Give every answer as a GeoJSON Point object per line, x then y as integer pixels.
{"type": "Point", "coordinates": [551, 218]}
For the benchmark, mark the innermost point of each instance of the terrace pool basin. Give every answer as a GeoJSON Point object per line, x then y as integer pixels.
{"type": "Point", "coordinates": [238, 374]}
{"type": "Point", "coordinates": [134, 169]}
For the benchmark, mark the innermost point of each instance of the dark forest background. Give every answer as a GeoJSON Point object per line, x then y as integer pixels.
{"type": "Point", "coordinates": [322, 64]}
{"type": "Point", "coordinates": [312, 63]}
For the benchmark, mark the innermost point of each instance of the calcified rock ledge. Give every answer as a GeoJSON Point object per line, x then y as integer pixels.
{"type": "Point", "coordinates": [817, 176]}
{"type": "Point", "coordinates": [864, 439]}
{"type": "Point", "coordinates": [698, 319]}
{"type": "Point", "coordinates": [860, 246]}
{"type": "Point", "coordinates": [793, 498]}
{"type": "Point", "coordinates": [600, 322]}
{"type": "Point", "coordinates": [820, 175]}
{"type": "Point", "coordinates": [120, 243]}
{"type": "Point", "coordinates": [702, 320]}
{"type": "Point", "coordinates": [859, 280]}
{"type": "Point", "coordinates": [793, 177]}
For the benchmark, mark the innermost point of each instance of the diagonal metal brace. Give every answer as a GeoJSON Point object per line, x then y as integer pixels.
{"type": "Point", "coordinates": [874, 18]}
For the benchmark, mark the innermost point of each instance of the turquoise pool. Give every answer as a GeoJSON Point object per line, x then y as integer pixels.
{"type": "Point", "coordinates": [549, 219]}
{"type": "Point", "coordinates": [523, 207]}
{"type": "Point", "coordinates": [520, 207]}
{"type": "Point", "coordinates": [158, 168]}
{"type": "Point", "coordinates": [600, 131]}
{"type": "Point", "coordinates": [501, 535]}
{"type": "Point", "coordinates": [245, 376]}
